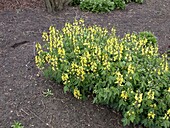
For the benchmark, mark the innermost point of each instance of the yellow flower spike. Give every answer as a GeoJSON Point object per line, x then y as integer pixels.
{"type": "Point", "coordinates": [130, 69]}
{"type": "Point", "coordinates": [119, 78]}
{"type": "Point", "coordinates": [166, 117]}
{"type": "Point", "coordinates": [93, 66]}
{"type": "Point", "coordinates": [83, 61]}
{"type": "Point", "coordinates": [64, 77]}
{"type": "Point", "coordinates": [165, 61]}
{"type": "Point", "coordinates": [121, 48]}
{"type": "Point", "coordinates": [129, 58]}
{"type": "Point", "coordinates": [151, 115]}
{"type": "Point", "coordinates": [166, 66]}
{"type": "Point", "coordinates": [45, 36]}
{"type": "Point", "coordinates": [77, 50]}
{"type": "Point", "coordinates": [151, 94]}
{"type": "Point", "coordinates": [47, 58]}
{"type": "Point", "coordinates": [38, 46]}
{"type": "Point", "coordinates": [124, 95]}
{"type": "Point", "coordinates": [77, 93]}
{"type": "Point", "coordinates": [138, 97]}
{"type": "Point", "coordinates": [159, 72]}
{"type": "Point", "coordinates": [81, 21]}
{"type": "Point", "coordinates": [87, 54]}
{"type": "Point", "coordinates": [37, 59]}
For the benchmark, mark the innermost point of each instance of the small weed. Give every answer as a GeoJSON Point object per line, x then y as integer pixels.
{"type": "Point", "coordinates": [48, 93]}
{"type": "Point", "coordinates": [17, 124]}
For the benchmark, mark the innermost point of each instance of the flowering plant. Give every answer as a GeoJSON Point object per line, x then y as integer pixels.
{"type": "Point", "coordinates": [126, 73]}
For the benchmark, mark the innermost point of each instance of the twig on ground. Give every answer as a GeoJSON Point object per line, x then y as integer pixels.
{"type": "Point", "coordinates": [40, 118]}
{"type": "Point", "coordinates": [24, 111]}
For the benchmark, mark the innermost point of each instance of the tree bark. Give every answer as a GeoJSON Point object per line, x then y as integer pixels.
{"type": "Point", "coordinates": [50, 5]}
{"type": "Point", "coordinates": [54, 5]}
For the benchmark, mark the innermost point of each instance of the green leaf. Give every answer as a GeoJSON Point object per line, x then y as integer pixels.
{"type": "Point", "coordinates": [128, 83]}
{"type": "Point", "coordinates": [66, 89]}
{"type": "Point", "coordinates": [125, 121]}
{"type": "Point", "coordinates": [132, 118]}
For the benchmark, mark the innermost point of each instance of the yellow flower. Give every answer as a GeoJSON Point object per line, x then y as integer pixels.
{"type": "Point", "coordinates": [153, 105]}
{"type": "Point", "coordinates": [138, 97]}
{"type": "Point", "coordinates": [81, 21]}
{"type": "Point", "coordinates": [151, 94]}
{"type": "Point", "coordinates": [166, 117]}
{"type": "Point", "coordinates": [159, 72]}
{"type": "Point", "coordinates": [77, 93]}
{"type": "Point", "coordinates": [37, 46]}
{"type": "Point", "coordinates": [119, 78]}
{"type": "Point", "coordinates": [38, 61]}
{"type": "Point", "coordinates": [61, 51]}
{"type": "Point", "coordinates": [124, 95]}
{"type": "Point", "coordinates": [64, 77]}
{"type": "Point", "coordinates": [164, 63]}
{"type": "Point", "coordinates": [166, 66]}
{"type": "Point", "coordinates": [168, 112]}
{"type": "Point", "coordinates": [77, 50]}
{"type": "Point", "coordinates": [130, 113]}
{"type": "Point", "coordinates": [45, 36]}
{"type": "Point", "coordinates": [93, 66]}
{"type": "Point", "coordinates": [130, 69]}
{"type": "Point", "coordinates": [83, 61]}
{"type": "Point", "coordinates": [169, 89]}
{"type": "Point", "coordinates": [151, 115]}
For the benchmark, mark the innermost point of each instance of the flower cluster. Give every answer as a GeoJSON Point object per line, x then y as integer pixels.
{"type": "Point", "coordinates": [126, 73]}
{"type": "Point", "coordinates": [167, 115]}
{"type": "Point", "coordinates": [124, 95]}
{"type": "Point", "coordinates": [77, 93]}
{"type": "Point", "coordinates": [151, 94]}
{"type": "Point", "coordinates": [151, 115]}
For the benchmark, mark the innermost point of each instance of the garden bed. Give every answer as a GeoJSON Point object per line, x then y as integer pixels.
{"type": "Point", "coordinates": [22, 99]}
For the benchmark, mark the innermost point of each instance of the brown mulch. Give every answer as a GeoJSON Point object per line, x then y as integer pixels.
{"type": "Point", "coordinates": [20, 4]}
{"type": "Point", "coordinates": [22, 23]}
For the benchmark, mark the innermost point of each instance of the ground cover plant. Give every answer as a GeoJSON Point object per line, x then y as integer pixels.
{"type": "Point", "coordinates": [103, 5]}
{"type": "Point", "coordinates": [127, 74]}
{"type": "Point", "coordinates": [17, 124]}
{"type": "Point", "coordinates": [47, 93]}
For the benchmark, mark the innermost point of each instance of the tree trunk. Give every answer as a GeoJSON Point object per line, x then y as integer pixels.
{"type": "Point", "coordinates": [50, 5]}
{"type": "Point", "coordinates": [54, 5]}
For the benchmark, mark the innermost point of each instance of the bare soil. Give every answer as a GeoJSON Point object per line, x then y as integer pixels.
{"type": "Point", "coordinates": [22, 23]}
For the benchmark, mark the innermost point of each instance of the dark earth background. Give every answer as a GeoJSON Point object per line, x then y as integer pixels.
{"type": "Point", "coordinates": [22, 23]}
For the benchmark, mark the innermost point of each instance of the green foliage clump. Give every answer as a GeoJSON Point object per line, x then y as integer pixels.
{"type": "Point", "coordinates": [120, 4]}
{"type": "Point", "coordinates": [136, 1]}
{"type": "Point", "coordinates": [127, 74]}
{"type": "Point", "coordinates": [97, 5]}
{"type": "Point", "coordinates": [75, 2]}
{"type": "Point", "coordinates": [103, 5]}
